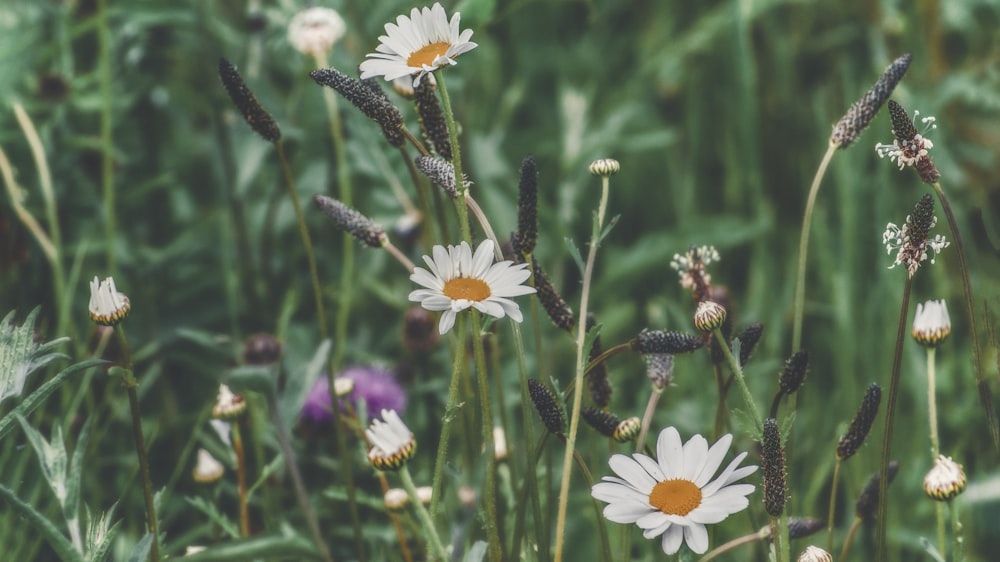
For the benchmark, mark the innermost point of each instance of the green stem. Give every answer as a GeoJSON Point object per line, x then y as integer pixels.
{"type": "Point", "coordinates": [107, 149]}
{"type": "Point", "coordinates": [241, 476]}
{"type": "Point", "coordinates": [723, 548]}
{"type": "Point", "coordinates": [581, 364]}
{"type": "Point", "coordinates": [932, 403]}
{"type": "Point", "coordinates": [647, 418]}
{"type": "Point", "coordinates": [458, 367]}
{"type": "Point", "coordinates": [140, 444]}
{"type": "Point", "coordinates": [890, 410]}
{"type": "Point", "coordinates": [306, 240]}
{"type": "Point", "coordinates": [740, 382]}
{"type": "Point", "coordinates": [981, 384]}
{"type": "Point", "coordinates": [833, 506]}
{"type": "Point", "coordinates": [800, 278]}
{"type": "Point", "coordinates": [438, 551]}
{"type": "Point", "coordinates": [490, 489]}
{"type": "Point", "coordinates": [456, 159]}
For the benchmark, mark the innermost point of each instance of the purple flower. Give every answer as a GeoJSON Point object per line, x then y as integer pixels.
{"type": "Point", "coordinates": [374, 386]}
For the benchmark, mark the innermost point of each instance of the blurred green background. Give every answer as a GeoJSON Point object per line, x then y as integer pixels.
{"type": "Point", "coordinates": [719, 113]}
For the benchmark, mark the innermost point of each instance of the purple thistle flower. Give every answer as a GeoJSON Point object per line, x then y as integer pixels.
{"type": "Point", "coordinates": [374, 386]}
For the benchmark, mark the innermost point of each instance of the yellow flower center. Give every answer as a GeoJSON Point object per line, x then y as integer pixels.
{"type": "Point", "coordinates": [427, 54]}
{"type": "Point", "coordinates": [467, 288]}
{"type": "Point", "coordinates": [675, 497]}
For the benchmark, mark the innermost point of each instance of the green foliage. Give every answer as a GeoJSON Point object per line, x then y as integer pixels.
{"type": "Point", "coordinates": [21, 355]}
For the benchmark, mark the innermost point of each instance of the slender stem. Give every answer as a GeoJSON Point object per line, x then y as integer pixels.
{"type": "Point", "coordinates": [400, 256]}
{"type": "Point", "coordinates": [601, 527]}
{"type": "Point", "coordinates": [140, 444]}
{"type": "Point", "coordinates": [241, 476]}
{"type": "Point", "coordinates": [23, 214]}
{"type": "Point", "coordinates": [293, 471]}
{"type": "Point", "coordinates": [890, 410]}
{"type": "Point", "coordinates": [647, 418]}
{"type": "Point", "coordinates": [726, 547]}
{"type": "Point", "coordinates": [800, 278]}
{"type": "Point", "coordinates": [433, 540]}
{"type": "Point", "coordinates": [306, 240]}
{"type": "Point", "coordinates": [780, 545]}
{"type": "Point", "coordinates": [495, 547]}
{"type": "Point", "coordinates": [833, 506]}
{"type": "Point", "coordinates": [458, 367]}
{"type": "Point", "coordinates": [932, 403]}
{"type": "Point", "coordinates": [981, 384]}
{"type": "Point", "coordinates": [850, 538]}
{"type": "Point", "coordinates": [107, 149]}
{"type": "Point", "coordinates": [607, 354]}
{"type": "Point", "coordinates": [734, 365]}
{"type": "Point", "coordinates": [581, 354]}
{"type": "Point", "coordinates": [958, 550]}
{"type": "Point", "coordinates": [461, 203]}
{"type": "Point", "coordinates": [394, 517]}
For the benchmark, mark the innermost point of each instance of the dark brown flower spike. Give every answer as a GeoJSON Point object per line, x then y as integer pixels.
{"type": "Point", "coordinates": [773, 466]}
{"type": "Point", "coordinates": [441, 173]}
{"type": "Point", "coordinates": [432, 122]}
{"type": "Point", "coordinates": [910, 147]}
{"type": "Point", "coordinates": [659, 341]}
{"type": "Point", "coordinates": [547, 406]}
{"type": "Point", "coordinates": [527, 208]}
{"type": "Point", "coordinates": [604, 422]}
{"type": "Point", "coordinates": [863, 111]}
{"type": "Point", "coordinates": [553, 303]}
{"type": "Point", "coordinates": [256, 116]}
{"type": "Point", "coordinates": [794, 373]}
{"type": "Point", "coordinates": [748, 341]}
{"type": "Point", "coordinates": [867, 503]}
{"type": "Point", "coordinates": [597, 378]}
{"type": "Point", "coordinates": [347, 219]}
{"type": "Point", "coordinates": [367, 97]}
{"type": "Point", "coordinates": [857, 432]}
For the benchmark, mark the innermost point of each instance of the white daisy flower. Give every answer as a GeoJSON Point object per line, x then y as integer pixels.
{"type": "Point", "coordinates": [392, 443]}
{"type": "Point", "coordinates": [672, 496]}
{"type": "Point", "coordinates": [417, 45]}
{"type": "Point", "coordinates": [107, 306]}
{"type": "Point", "coordinates": [931, 323]}
{"type": "Point", "coordinates": [457, 280]}
{"type": "Point", "coordinates": [313, 31]}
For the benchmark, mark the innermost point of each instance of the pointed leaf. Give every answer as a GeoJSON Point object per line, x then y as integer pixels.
{"type": "Point", "coordinates": [285, 548]}
{"type": "Point", "coordinates": [59, 543]}
{"type": "Point", "coordinates": [51, 455]}
{"type": "Point", "coordinates": [141, 551]}
{"type": "Point", "coordinates": [213, 513]}
{"type": "Point", "coordinates": [71, 507]}
{"type": "Point", "coordinates": [100, 534]}
{"type": "Point", "coordinates": [20, 355]}
{"type": "Point", "coordinates": [35, 399]}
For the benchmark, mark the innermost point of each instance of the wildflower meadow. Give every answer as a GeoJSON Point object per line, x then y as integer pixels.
{"type": "Point", "coordinates": [499, 281]}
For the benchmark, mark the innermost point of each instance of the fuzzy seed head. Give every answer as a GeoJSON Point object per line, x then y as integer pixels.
{"type": "Point", "coordinates": [256, 116]}
{"type": "Point", "coordinates": [660, 369]}
{"type": "Point", "coordinates": [910, 148]}
{"type": "Point", "coordinates": [659, 341]}
{"type": "Point", "coordinates": [857, 432]}
{"type": "Point", "coordinates": [441, 173]}
{"type": "Point", "coordinates": [547, 406]}
{"type": "Point", "coordinates": [367, 97]}
{"type": "Point", "coordinates": [773, 465]}
{"type": "Point", "coordinates": [912, 241]}
{"type": "Point", "coordinates": [863, 111]}
{"type": "Point", "coordinates": [362, 228]}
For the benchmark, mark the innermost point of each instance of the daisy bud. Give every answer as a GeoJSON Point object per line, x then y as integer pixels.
{"type": "Point", "coordinates": [748, 341]}
{"type": "Point", "coordinates": [107, 307]}
{"type": "Point", "coordinates": [773, 464]}
{"type": "Point", "coordinates": [392, 443]}
{"type": "Point", "coordinates": [425, 494]}
{"type": "Point", "coordinates": [313, 31]}
{"type": "Point", "coordinates": [861, 424]}
{"type": "Point", "coordinates": [432, 122]}
{"type": "Point", "coordinates": [597, 378]}
{"type": "Point", "coordinates": [867, 503]}
{"type": "Point", "coordinates": [627, 430]}
{"type": "Point", "coordinates": [553, 303]}
{"type": "Point", "coordinates": [527, 208]}
{"type": "Point", "coordinates": [347, 219]}
{"type": "Point", "coordinates": [659, 341]}
{"type": "Point", "coordinates": [604, 422]}
{"type": "Point", "coordinates": [794, 373]}
{"type": "Point", "coordinates": [945, 480]}
{"type": "Point", "coordinates": [815, 554]}
{"type": "Point", "coordinates": [371, 102]}
{"type": "Point", "coordinates": [420, 332]}
{"type": "Point", "coordinates": [228, 405]}
{"type": "Point", "coordinates": [605, 167]}
{"type": "Point", "coordinates": [660, 369]}
{"type": "Point", "coordinates": [256, 116]}
{"type": "Point", "coordinates": [207, 470]}
{"type": "Point", "coordinates": [441, 173]}
{"type": "Point", "coordinates": [547, 406]}
{"type": "Point", "coordinates": [863, 111]}
{"type": "Point", "coordinates": [395, 499]}
{"type": "Point", "coordinates": [261, 349]}
{"type": "Point", "coordinates": [931, 323]}
{"type": "Point", "coordinates": [709, 316]}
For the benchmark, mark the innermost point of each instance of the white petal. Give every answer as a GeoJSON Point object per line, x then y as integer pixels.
{"type": "Point", "coordinates": [696, 537]}
{"type": "Point", "coordinates": [669, 453]}
{"type": "Point", "coordinates": [650, 466]}
{"type": "Point", "coordinates": [425, 278]}
{"type": "Point", "coordinates": [482, 260]}
{"type": "Point", "coordinates": [489, 307]}
{"type": "Point", "coordinates": [613, 492]}
{"type": "Point", "coordinates": [672, 539]}
{"type": "Point", "coordinates": [695, 453]}
{"type": "Point", "coordinates": [713, 459]}
{"type": "Point", "coordinates": [447, 321]}
{"type": "Point", "coordinates": [625, 511]}
{"type": "Point", "coordinates": [632, 472]}
{"type": "Point", "coordinates": [652, 520]}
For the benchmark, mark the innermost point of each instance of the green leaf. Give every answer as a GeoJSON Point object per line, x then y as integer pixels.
{"type": "Point", "coordinates": [35, 399]}
{"type": "Point", "coordinates": [59, 543]}
{"type": "Point", "coordinates": [574, 253]}
{"type": "Point", "coordinates": [71, 507]}
{"type": "Point", "coordinates": [286, 548]}
{"type": "Point", "coordinates": [608, 228]}
{"type": "Point", "coordinates": [51, 455]}
{"type": "Point", "coordinates": [252, 378]}
{"type": "Point", "coordinates": [477, 553]}
{"type": "Point", "coordinates": [141, 551]}
{"type": "Point", "coordinates": [100, 534]}
{"type": "Point", "coordinates": [20, 356]}
{"type": "Point", "coordinates": [213, 513]}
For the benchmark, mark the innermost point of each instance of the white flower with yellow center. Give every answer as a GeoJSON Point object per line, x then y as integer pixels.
{"type": "Point", "coordinates": [673, 496]}
{"type": "Point", "coordinates": [418, 45]}
{"type": "Point", "coordinates": [457, 280]}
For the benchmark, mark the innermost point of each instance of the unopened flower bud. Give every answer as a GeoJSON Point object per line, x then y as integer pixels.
{"type": "Point", "coordinates": [709, 316]}
{"type": "Point", "coordinates": [945, 480]}
{"type": "Point", "coordinates": [605, 167]}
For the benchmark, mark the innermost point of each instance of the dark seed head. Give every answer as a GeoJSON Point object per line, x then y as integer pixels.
{"type": "Point", "coordinates": [857, 432]}
{"type": "Point", "coordinates": [347, 219]}
{"type": "Point", "coordinates": [368, 97]}
{"type": "Point", "coordinates": [440, 172]}
{"type": "Point", "coordinates": [773, 461]}
{"type": "Point", "coordinates": [432, 121]}
{"type": "Point", "coordinates": [261, 349]}
{"type": "Point", "coordinates": [547, 406]}
{"type": "Point", "coordinates": [794, 373]}
{"type": "Point", "coordinates": [527, 208]}
{"type": "Point", "coordinates": [604, 422]}
{"type": "Point", "coordinates": [902, 123]}
{"type": "Point", "coordinates": [597, 378]}
{"type": "Point", "coordinates": [256, 116]}
{"type": "Point", "coordinates": [748, 341]}
{"type": "Point", "coordinates": [863, 111]}
{"type": "Point", "coordinates": [659, 341]}
{"type": "Point", "coordinates": [553, 303]}
{"type": "Point", "coordinates": [867, 503]}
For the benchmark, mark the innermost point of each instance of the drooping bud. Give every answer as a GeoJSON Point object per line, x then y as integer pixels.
{"type": "Point", "coordinates": [863, 111]}
{"type": "Point", "coordinates": [627, 430]}
{"type": "Point", "coordinates": [659, 341]}
{"type": "Point", "coordinates": [814, 554]}
{"type": "Point", "coordinates": [368, 98]}
{"type": "Point", "coordinates": [931, 323]}
{"type": "Point", "coordinates": [256, 116]}
{"type": "Point", "coordinates": [208, 470]}
{"type": "Point", "coordinates": [432, 121]}
{"type": "Point", "coordinates": [794, 373]}
{"type": "Point", "coordinates": [351, 221]}
{"type": "Point", "coordinates": [547, 406]}
{"type": "Point", "coordinates": [392, 443]}
{"type": "Point", "coordinates": [857, 432]}
{"type": "Point", "coordinates": [773, 464]}
{"type": "Point", "coordinates": [527, 208]}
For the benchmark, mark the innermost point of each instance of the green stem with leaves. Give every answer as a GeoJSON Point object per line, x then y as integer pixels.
{"type": "Point", "coordinates": [438, 552]}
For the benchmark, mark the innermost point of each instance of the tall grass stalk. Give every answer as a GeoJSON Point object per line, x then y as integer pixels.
{"type": "Point", "coordinates": [107, 147]}
{"type": "Point", "coordinates": [581, 364]}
